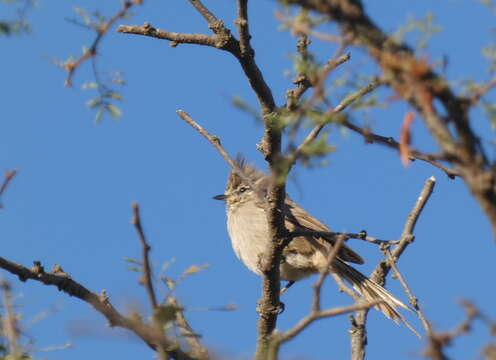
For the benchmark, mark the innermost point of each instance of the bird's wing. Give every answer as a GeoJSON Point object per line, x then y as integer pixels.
{"type": "Point", "coordinates": [298, 218]}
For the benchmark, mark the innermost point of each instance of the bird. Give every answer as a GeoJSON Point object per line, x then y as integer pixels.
{"type": "Point", "coordinates": [304, 255]}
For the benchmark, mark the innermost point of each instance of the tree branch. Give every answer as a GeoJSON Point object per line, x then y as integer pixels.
{"type": "Point", "coordinates": [146, 279]}
{"type": "Point", "coordinates": [358, 332]}
{"type": "Point", "coordinates": [197, 4]}
{"type": "Point", "coordinates": [71, 66]}
{"type": "Point", "coordinates": [101, 303]}
{"type": "Point", "coordinates": [390, 142]}
{"type": "Point", "coordinates": [314, 133]}
{"type": "Point", "coordinates": [329, 234]}
{"type": "Point", "coordinates": [215, 141]}
{"type": "Point", "coordinates": [412, 298]}
{"type": "Point", "coordinates": [416, 81]}
{"type": "Point", "coordinates": [280, 338]}
{"type": "Point", "coordinates": [176, 38]}
{"type": "Point", "coordinates": [198, 351]}
{"type": "Point", "coordinates": [243, 29]}
{"type": "Point", "coordinates": [9, 175]}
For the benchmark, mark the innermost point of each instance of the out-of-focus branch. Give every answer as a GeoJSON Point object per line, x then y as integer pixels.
{"type": "Point", "coordinates": [9, 175]}
{"type": "Point", "coordinates": [299, 27]}
{"type": "Point", "coordinates": [101, 303]}
{"type": "Point", "coordinates": [390, 142]}
{"type": "Point", "coordinates": [8, 323]}
{"type": "Point", "coordinates": [415, 80]}
{"type": "Point", "coordinates": [482, 90]}
{"type": "Point", "coordinates": [358, 331]}
{"type": "Point", "coordinates": [314, 133]}
{"type": "Point", "coordinates": [437, 341]}
{"type": "Point", "coordinates": [198, 351]}
{"type": "Point", "coordinates": [71, 66]}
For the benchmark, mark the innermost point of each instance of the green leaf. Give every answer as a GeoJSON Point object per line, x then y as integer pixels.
{"type": "Point", "coordinates": [114, 95]}
{"type": "Point", "coordinates": [114, 111]}
{"type": "Point", "coordinates": [89, 85]}
{"type": "Point", "coordinates": [94, 102]}
{"type": "Point", "coordinates": [99, 114]}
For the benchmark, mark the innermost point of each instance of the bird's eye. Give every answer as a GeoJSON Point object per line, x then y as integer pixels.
{"type": "Point", "coordinates": [243, 189]}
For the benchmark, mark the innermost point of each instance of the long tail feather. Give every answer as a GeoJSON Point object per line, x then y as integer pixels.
{"type": "Point", "coordinates": [372, 291]}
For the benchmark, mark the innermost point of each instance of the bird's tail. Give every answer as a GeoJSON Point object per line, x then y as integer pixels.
{"type": "Point", "coordinates": [372, 291]}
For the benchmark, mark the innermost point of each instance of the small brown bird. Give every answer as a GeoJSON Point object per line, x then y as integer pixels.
{"type": "Point", "coordinates": [305, 255]}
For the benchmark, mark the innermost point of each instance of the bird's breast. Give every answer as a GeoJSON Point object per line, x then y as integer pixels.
{"type": "Point", "coordinates": [248, 230]}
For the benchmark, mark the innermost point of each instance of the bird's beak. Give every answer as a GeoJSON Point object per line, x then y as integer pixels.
{"type": "Point", "coordinates": [220, 197]}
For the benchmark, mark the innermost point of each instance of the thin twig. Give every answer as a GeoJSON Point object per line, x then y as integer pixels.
{"type": "Point", "coordinates": [190, 337]}
{"type": "Point", "coordinates": [8, 176]}
{"type": "Point", "coordinates": [340, 107]}
{"type": "Point", "coordinates": [317, 287]}
{"type": "Point", "coordinates": [145, 250]}
{"type": "Point", "coordinates": [215, 141]}
{"type": "Point", "coordinates": [285, 336]}
{"type": "Point", "coordinates": [437, 341]}
{"type": "Point", "coordinates": [299, 27]}
{"type": "Point", "coordinates": [482, 90]}
{"type": "Point", "coordinates": [329, 234]}
{"type": "Point", "coordinates": [390, 142]}
{"type": "Point", "coordinates": [72, 66]}
{"type": "Point", "coordinates": [211, 19]}
{"type": "Point", "coordinates": [146, 276]}
{"type": "Point", "coordinates": [358, 331]}
{"type": "Point", "coordinates": [344, 288]}
{"type": "Point", "coordinates": [412, 298]}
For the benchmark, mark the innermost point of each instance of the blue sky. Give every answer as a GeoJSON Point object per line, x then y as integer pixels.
{"type": "Point", "coordinates": [70, 203]}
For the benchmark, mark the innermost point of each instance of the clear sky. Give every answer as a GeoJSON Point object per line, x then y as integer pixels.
{"type": "Point", "coordinates": [70, 203]}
